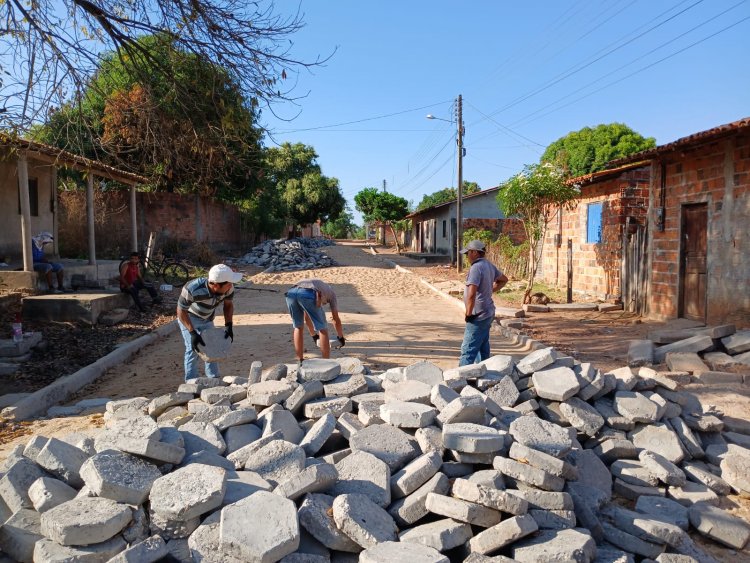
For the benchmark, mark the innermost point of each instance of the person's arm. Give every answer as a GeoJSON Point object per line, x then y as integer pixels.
{"type": "Point", "coordinates": [499, 282]}
{"type": "Point", "coordinates": [228, 311]}
{"type": "Point", "coordinates": [471, 297]}
{"type": "Point", "coordinates": [337, 323]}
{"type": "Point", "coordinates": [123, 269]}
{"type": "Point", "coordinates": [309, 324]}
{"type": "Point", "coordinates": [184, 317]}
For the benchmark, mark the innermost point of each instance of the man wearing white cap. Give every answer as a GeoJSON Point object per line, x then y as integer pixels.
{"type": "Point", "coordinates": [482, 281]}
{"type": "Point", "coordinates": [196, 309]}
{"type": "Point", "coordinates": [44, 266]}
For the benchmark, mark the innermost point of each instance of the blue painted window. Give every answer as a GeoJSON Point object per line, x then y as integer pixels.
{"type": "Point", "coordinates": [594, 223]}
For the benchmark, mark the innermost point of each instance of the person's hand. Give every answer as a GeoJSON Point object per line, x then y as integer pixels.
{"type": "Point", "coordinates": [228, 332]}
{"type": "Point", "coordinates": [195, 339]}
{"type": "Point", "coordinates": [469, 318]}
{"type": "Point", "coordinates": [315, 337]}
{"type": "Point", "coordinates": [342, 341]}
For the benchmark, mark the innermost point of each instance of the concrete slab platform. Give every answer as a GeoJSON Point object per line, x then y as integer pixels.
{"type": "Point", "coordinates": [76, 307]}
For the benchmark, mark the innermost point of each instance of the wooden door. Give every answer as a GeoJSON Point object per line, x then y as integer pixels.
{"type": "Point", "coordinates": [693, 252]}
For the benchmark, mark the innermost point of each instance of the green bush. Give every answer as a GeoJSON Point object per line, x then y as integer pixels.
{"type": "Point", "coordinates": [511, 259]}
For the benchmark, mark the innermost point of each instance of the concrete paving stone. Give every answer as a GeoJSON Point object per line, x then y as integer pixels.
{"type": "Point", "coordinates": [470, 409]}
{"type": "Point", "coordinates": [345, 386]}
{"type": "Point", "coordinates": [256, 372]}
{"type": "Point", "coordinates": [303, 393]}
{"type": "Point", "coordinates": [402, 414]}
{"type": "Point", "coordinates": [423, 371]}
{"type": "Point", "coordinates": [241, 484]}
{"type": "Point", "coordinates": [553, 519]}
{"type": "Point", "coordinates": [469, 512]}
{"type": "Point", "coordinates": [472, 438]}
{"type": "Point", "coordinates": [543, 500]}
{"type": "Point", "coordinates": [591, 471]}
{"type": "Point", "coordinates": [316, 516]}
{"type": "Point", "coordinates": [441, 535]}
{"type": "Point", "coordinates": [479, 558]}
{"type": "Point", "coordinates": [34, 446]}
{"type": "Point", "coordinates": [133, 404]}
{"type": "Point", "coordinates": [277, 461]}
{"type": "Point", "coordinates": [320, 431]}
{"type": "Point", "coordinates": [363, 473]}
{"type": "Point", "coordinates": [441, 395]}
{"type": "Point", "coordinates": [556, 545]}
{"type": "Point", "coordinates": [82, 441]}
{"type": "Point", "coordinates": [169, 528]}
{"type": "Point", "coordinates": [237, 437]}
{"type": "Point", "coordinates": [613, 419]}
{"type": "Point", "coordinates": [59, 411]}
{"type": "Point", "coordinates": [541, 435]}
{"type": "Point", "coordinates": [319, 369]}
{"type": "Point", "coordinates": [631, 491]}
{"type": "Point", "coordinates": [719, 525]}
{"type": "Point", "coordinates": [410, 509]}
{"type": "Point", "coordinates": [703, 422]}
{"type": "Point", "coordinates": [473, 459]}
{"type": "Point", "coordinates": [209, 413]}
{"type": "Point", "coordinates": [153, 450]}
{"type": "Point", "coordinates": [415, 474]}
{"type": "Point", "coordinates": [742, 440]}
{"type": "Point", "coordinates": [504, 393]}
{"type": "Point", "coordinates": [348, 424]}
{"type": "Point", "coordinates": [410, 391]}
{"type": "Point", "coordinates": [666, 471]}
{"type": "Point", "coordinates": [660, 402]}
{"type": "Point", "coordinates": [363, 521]}
{"type": "Point", "coordinates": [527, 395]}
{"type": "Point", "coordinates": [62, 460]}
{"type": "Point", "coordinates": [237, 417]}
{"type": "Point", "coordinates": [389, 551]}
{"type": "Point", "coordinates": [19, 534]}
{"type": "Point", "coordinates": [691, 492]}
{"type": "Point", "coordinates": [206, 458]}
{"type": "Point", "coordinates": [471, 372]}
{"type": "Point", "coordinates": [690, 443]}
{"type": "Point", "coordinates": [493, 408]}
{"type": "Point", "coordinates": [267, 393]}
{"type": "Point", "coordinates": [202, 436]}
{"type": "Point", "coordinates": [317, 408]}
{"type": "Point", "coordinates": [392, 445]}
{"type": "Point", "coordinates": [192, 388]}
{"type": "Point", "coordinates": [537, 360]}
{"type": "Point", "coordinates": [188, 492]}
{"type": "Point", "coordinates": [351, 365]}
{"type": "Point", "coordinates": [276, 372]}
{"type": "Point", "coordinates": [119, 476]}
{"type": "Point", "coordinates": [315, 478]}
{"type": "Point", "coordinates": [635, 406]}
{"type": "Point", "coordinates": [663, 509]}
{"type": "Point", "coordinates": [499, 364]}
{"type": "Point", "coordinates": [610, 554]}
{"type": "Point", "coordinates": [47, 492]}
{"type": "Point", "coordinates": [179, 551]}
{"type": "Point", "coordinates": [502, 534]}
{"type": "Point", "coordinates": [85, 521]}
{"type": "Point", "coordinates": [686, 361]}
{"type": "Point", "coordinates": [368, 413]}
{"type": "Point", "coordinates": [430, 439]}
{"type": "Point", "coordinates": [283, 421]}
{"type": "Point", "coordinates": [205, 543]}
{"type": "Point", "coordinates": [469, 491]}
{"type": "Point", "coordinates": [612, 450]}
{"type": "Point", "coordinates": [48, 551]}
{"type": "Point", "coordinates": [490, 478]}
{"type": "Point", "coordinates": [582, 416]}
{"type": "Point", "coordinates": [262, 527]}
{"type": "Point", "coordinates": [550, 411]}
{"type": "Point", "coordinates": [531, 475]}
{"type": "Point", "coordinates": [715, 453]}
{"type": "Point", "coordinates": [608, 384]}
{"type": "Point", "coordinates": [543, 461]}
{"type": "Point", "coordinates": [735, 470]}
{"type": "Point", "coordinates": [586, 505]}
{"type": "Point", "coordinates": [721, 361]}
{"type": "Point", "coordinates": [672, 410]}
{"type": "Point", "coordinates": [700, 474]}
{"type": "Point", "coordinates": [555, 384]}
{"type": "Point", "coordinates": [693, 344]}
{"type": "Point", "coordinates": [630, 543]}
{"type": "Point", "coordinates": [14, 485]}
{"type": "Point", "coordinates": [633, 472]}
{"type": "Point", "coordinates": [640, 353]}
{"type": "Point", "coordinates": [658, 438]}
{"type": "Point", "coordinates": [158, 405]}
{"type": "Point", "coordinates": [593, 389]}
{"type": "Point", "coordinates": [659, 378]}
{"type": "Point", "coordinates": [737, 343]}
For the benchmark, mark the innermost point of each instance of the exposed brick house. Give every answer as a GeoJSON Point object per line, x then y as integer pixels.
{"type": "Point", "coordinates": [674, 230]}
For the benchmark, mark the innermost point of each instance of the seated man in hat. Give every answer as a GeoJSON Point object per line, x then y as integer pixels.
{"type": "Point", "coordinates": [44, 266]}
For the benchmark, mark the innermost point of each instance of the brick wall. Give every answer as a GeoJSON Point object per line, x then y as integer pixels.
{"type": "Point", "coordinates": [596, 267]}
{"type": "Point", "coordinates": [175, 218]}
{"type": "Point", "coordinates": [511, 227]}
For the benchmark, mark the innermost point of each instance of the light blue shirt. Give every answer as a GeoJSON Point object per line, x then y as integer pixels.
{"type": "Point", "coordinates": [483, 275]}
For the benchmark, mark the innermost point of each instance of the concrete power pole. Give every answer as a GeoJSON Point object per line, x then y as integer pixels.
{"type": "Point", "coordinates": [459, 190]}
{"type": "Point", "coordinates": [384, 189]}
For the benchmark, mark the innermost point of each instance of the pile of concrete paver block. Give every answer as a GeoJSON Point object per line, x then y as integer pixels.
{"type": "Point", "coordinates": [289, 255]}
{"type": "Point", "coordinates": [715, 354]}
{"type": "Point", "coordinates": [540, 459]}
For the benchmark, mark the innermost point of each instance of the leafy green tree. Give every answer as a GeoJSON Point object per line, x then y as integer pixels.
{"type": "Point", "coordinates": [382, 207]}
{"type": "Point", "coordinates": [341, 226]}
{"type": "Point", "coordinates": [312, 197]}
{"type": "Point", "coordinates": [445, 195]}
{"type": "Point", "coordinates": [589, 150]}
{"type": "Point", "coordinates": [534, 196]}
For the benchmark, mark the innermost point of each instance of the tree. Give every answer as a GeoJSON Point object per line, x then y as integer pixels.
{"type": "Point", "coordinates": [382, 207]}
{"type": "Point", "coordinates": [53, 47]}
{"type": "Point", "coordinates": [534, 196]}
{"type": "Point", "coordinates": [312, 197]}
{"type": "Point", "coordinates": [445, 195]}
{"type": "Point", "coordinates": [588, 150]}
{"type": "Point", "coordinates": [341, 226]}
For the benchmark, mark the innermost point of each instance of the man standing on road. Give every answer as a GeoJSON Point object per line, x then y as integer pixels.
{"type": "Point", "coordinates": [196, 309]}
{"type": "Point", "coordinates": [482, 281]}
{"type": "Point", "coordinates": [306, 299]}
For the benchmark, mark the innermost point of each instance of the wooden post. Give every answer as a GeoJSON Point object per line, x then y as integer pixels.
{"type": "Point", "coordinates": [90, 216]}
{"type": "Point", "coordinates": [570, 270]}
{"type": "Point", "coordinates": [55, 208]}
{"type": "Point", "coordinates": [23, 189]}
{"type": "Point", "coordinates": [133, 221]}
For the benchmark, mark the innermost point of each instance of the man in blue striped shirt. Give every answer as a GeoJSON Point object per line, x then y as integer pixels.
{"type": "Point", "coordinates": [196, 309]}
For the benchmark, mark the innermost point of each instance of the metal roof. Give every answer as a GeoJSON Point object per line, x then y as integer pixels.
{"type": "Point", "coordinates": [433, 207]}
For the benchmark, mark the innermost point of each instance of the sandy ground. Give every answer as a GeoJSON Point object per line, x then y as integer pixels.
{"type": "Point", "coordinates": [390, 319]}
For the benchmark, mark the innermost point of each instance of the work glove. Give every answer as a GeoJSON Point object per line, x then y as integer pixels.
{"type": "Point", "coordinates": [228, 332]}
{"type": "Point", "coordinates": [316, 338]}
{"type": "Point", "coordinates": [469, 318]}
{"type": "Point", "coordinates": [195, 339]}
{"type": "Point", "coordinates": [342, 341]}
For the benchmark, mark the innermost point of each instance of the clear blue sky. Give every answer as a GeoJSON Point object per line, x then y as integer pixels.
{"type": "Point", "coordinates": [529, 72]}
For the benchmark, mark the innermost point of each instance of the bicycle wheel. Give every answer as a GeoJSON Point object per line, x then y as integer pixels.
{"type": "Point", "coordinates": [175, 274]}
{"type": "Point", "coordinates": [150, 275]}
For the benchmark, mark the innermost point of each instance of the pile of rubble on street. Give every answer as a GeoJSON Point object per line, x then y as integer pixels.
{"type": "Point", "coordinates": [543, 459]}
{"type": "Point", "coordinates": [284, 255]}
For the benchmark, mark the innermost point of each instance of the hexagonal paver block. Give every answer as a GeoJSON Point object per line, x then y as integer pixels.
{"type": "Point", "coordinates": [363, 520]}
{"type": "Point", "coordinates": [85, 521]}
{"type": "Point", "coordinates": [188, 492]}
{"type": "Point", "coordinates": [119, 476]}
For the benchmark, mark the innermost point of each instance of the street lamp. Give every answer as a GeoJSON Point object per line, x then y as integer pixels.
{"type": "Point", "coordinates": [460, 150]}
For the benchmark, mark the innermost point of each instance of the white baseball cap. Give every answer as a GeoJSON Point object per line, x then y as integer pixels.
{"type": "Point", "coordinates": [473, 245]}
{"type": "Point", "coordinates": [221, 273]}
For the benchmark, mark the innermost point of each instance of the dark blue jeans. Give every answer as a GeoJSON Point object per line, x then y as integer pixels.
{"type": "Point", "coordinates": [476, 344]}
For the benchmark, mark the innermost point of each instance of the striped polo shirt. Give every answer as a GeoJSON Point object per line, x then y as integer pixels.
{"type": "Point", "coordinates": [197, 299]}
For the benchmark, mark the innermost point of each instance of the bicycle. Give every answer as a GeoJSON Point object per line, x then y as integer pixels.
{"type": "Point", "coordinates": [171, 270]}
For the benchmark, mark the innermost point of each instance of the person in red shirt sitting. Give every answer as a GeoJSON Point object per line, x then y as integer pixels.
{"type": "Point", "coordinates": [132, 282]}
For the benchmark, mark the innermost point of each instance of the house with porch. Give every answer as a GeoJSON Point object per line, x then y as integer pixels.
{"type": "Point", "coordinates": [665, 231]}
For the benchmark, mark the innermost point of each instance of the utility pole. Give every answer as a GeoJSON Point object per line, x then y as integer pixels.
{"type": "Point", "coordinates": [459, 190]}
{"type": "Point", "coordinates": [384, 190]}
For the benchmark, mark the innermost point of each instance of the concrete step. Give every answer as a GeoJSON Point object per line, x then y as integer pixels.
{"type": "Point", "coordinates": [81, 306]}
